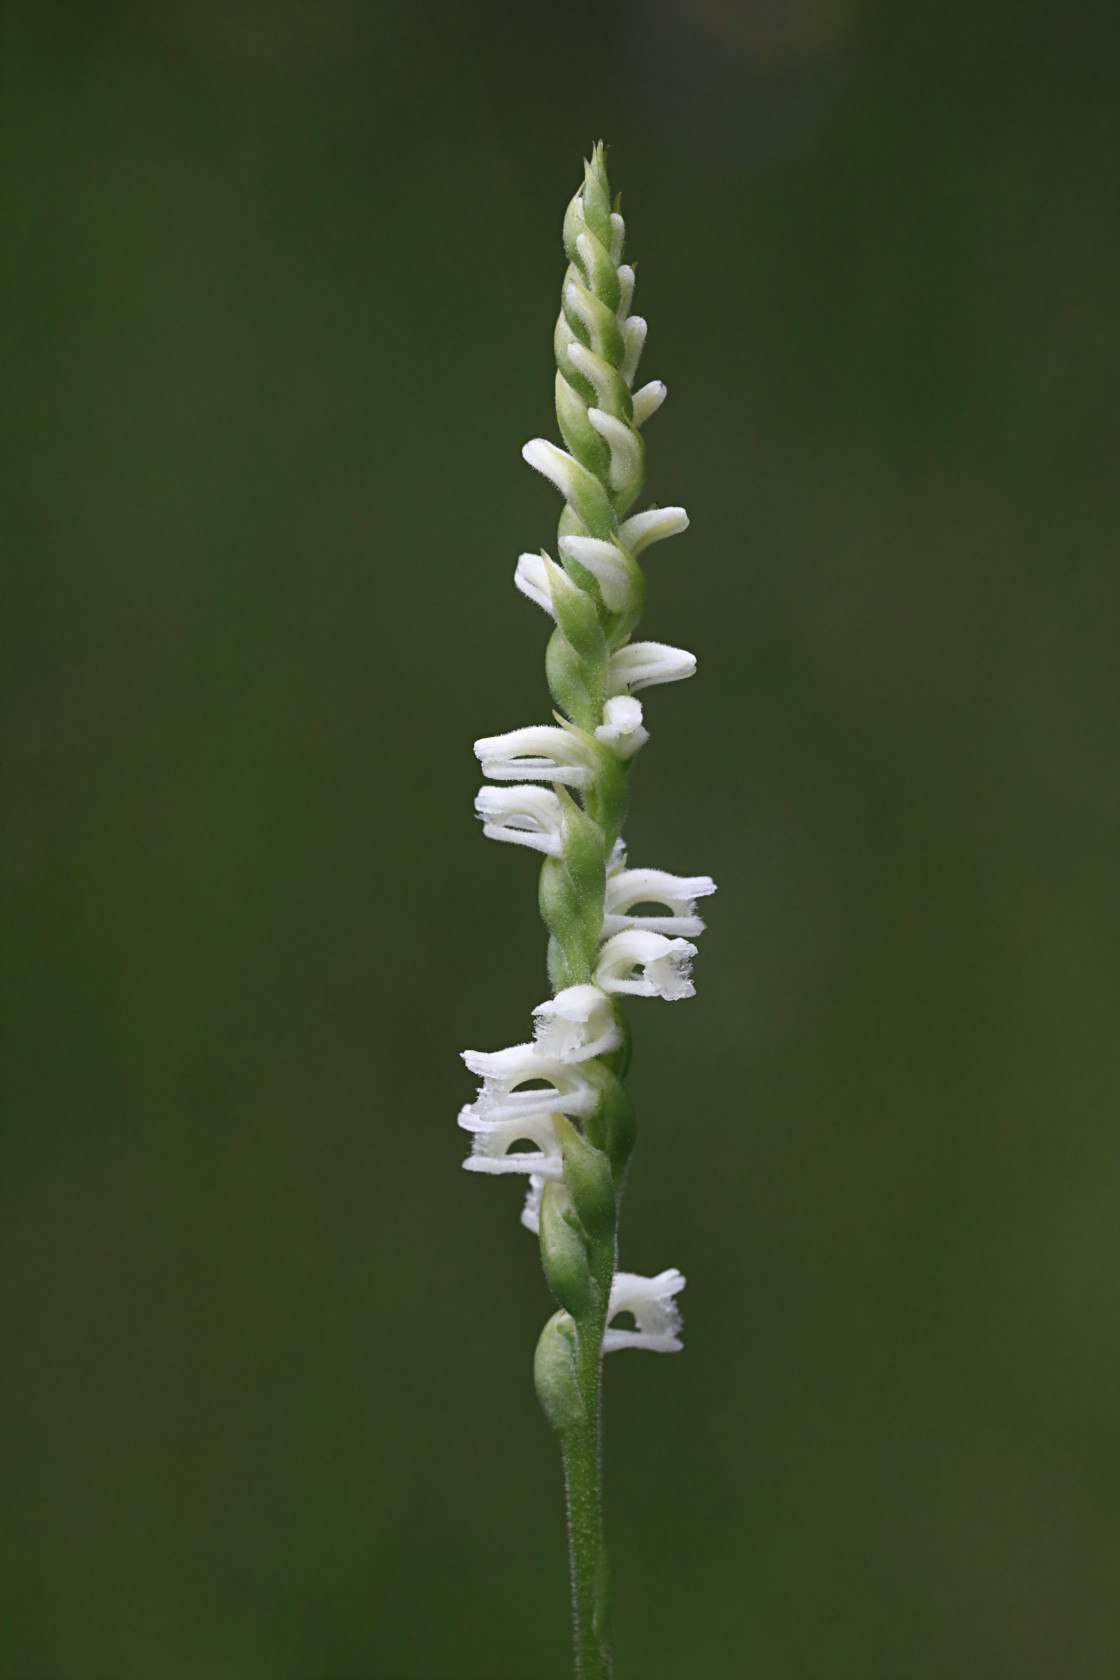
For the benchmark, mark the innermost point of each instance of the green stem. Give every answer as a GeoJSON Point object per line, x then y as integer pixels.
{"type": "Point", "coordinates": [582, 1448]}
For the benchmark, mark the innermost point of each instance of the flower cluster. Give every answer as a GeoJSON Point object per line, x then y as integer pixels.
{"type": "Point", "coordinates": [555, 1109]}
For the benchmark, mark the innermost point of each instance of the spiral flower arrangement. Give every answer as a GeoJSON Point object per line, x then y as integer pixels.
{"type": "Point", "coordinates": [556, 1109]}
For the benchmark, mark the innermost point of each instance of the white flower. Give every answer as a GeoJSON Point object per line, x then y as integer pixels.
{"type": "Point", "coordinates": [634, 331]}
{"type": "Point", "coordinates": [626, 278]}
{"type": "Point", "coordinates": [642, 664]}
{"type": "Point", "coordinates": [568, 1089]}
{"type": "Point", "coordinates": [531, 577]}
{"type": "Point", "coordinates": [654, 525]}
{"type": "Point", "coordinates": [493, 1139]}
{"type": "Point", "coordinates": [540, 751]}
{"type": "Point", "coordinates": [648, 400]}
{"type": "Point", "coordinates": [595, 317]}
{"type": "Point", "coordinates": [613, 569]}
{"type": "Point", "coordinates": [571, 479]}
{"type": "Point", "coordinates": [656, 1314]}
{"type": "Point", "coordinates": [525, 815]}
{"type": "Point", "coordinates": [531, 1212]}
{"type": "Point", "coordinates": [598, 372]}
{"type": "Point", "coordinates": [625, 447]}
{"type": "Point", "coordinates": [621, 728]}
{"type": "Point", "coordinates": [576, 1024]}
{"type": "Point", "coordinates": [678, 893]}
{"type": "Point", "coordinates": [665, 965]}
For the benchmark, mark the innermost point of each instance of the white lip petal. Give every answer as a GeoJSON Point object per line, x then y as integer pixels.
{"type": "Point", "coordinates": [664, 965]}
{"type": "Point", "coordinates": [656, 1314]}
{"type": "Point", "coordinates": [525, 815]}
{"type": "Point", "coordinates": [492, 1152]}
{"type": "Point", "coordinates": [678, 893]}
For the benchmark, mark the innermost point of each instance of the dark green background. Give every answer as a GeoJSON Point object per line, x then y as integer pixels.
{"type": "Point", "coordinates": [281, 282]}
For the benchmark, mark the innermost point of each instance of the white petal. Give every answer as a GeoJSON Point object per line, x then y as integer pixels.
{"type": "Point", "coordinates": [634, 331]}
{"type": "Point", "coordinates": [625, 447]}
{"type": "Point", "coordinates": [654, 525]}
{"type": "Point", "coordinates": [560, 468]}
{"type": "Point", "coordinates": [492, 1140]}
{"type": "Point", "coordinates": [531, 1212]}
{"type": "Point", "coordinates": [618, 237]}
{"type": "Point", "coordinates": [643, 664]}
{"type": "Point", "coordinates": [541, 752]}
{"type": "Point", "coordinates": [576, 1024]}
{"type": "Point", "coordinates": [622, 729]}
{"type": "Point", "coordinates": [665, 965]}
{"type": "Point", "coordinates": [592, 367]}
{"type": "Point", "coordinates": [678, 893]}
{"type": "Point", "coordinates": [503, 1072]}
{"type": "Point", "coordinates": [607, 563]}
{"type": "Point", "coordinates": [648, 400]}
{"type": "Point", "coordinates": [526, 815]}
{"type": "Point", "coordinates": [531, 577]}
{"type": "Point", "coordinates": [582, 300]}
{"type": "Point", "coordinates": [656, 1313]}
{"type": "Point", "coordinates": [626, 283]}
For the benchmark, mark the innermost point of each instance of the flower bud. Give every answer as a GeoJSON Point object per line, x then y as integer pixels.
{"type": "Point", "coordinates": [564, 1250]}
{"type": "Point", "coordinates": [554, 1374]}
{"type": "Point", "coordinates": [587, 1173]}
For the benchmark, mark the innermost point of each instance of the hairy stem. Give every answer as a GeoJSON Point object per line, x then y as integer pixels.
{"type": "Point", "coordinates": [582, 1449]}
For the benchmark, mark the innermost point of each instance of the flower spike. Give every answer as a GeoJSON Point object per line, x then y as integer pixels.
{"type": "Point", "coordinates": [555, 1111]}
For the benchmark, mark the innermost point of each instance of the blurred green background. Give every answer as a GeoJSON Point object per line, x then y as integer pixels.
{"type": "Point", "coordinates": [281, 283]}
